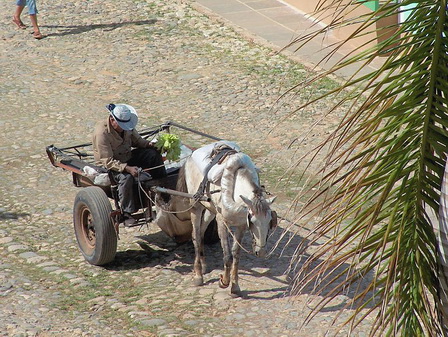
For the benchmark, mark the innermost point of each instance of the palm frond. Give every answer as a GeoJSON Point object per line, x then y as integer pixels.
{"type": "Point", "coordinates": [383, 172]}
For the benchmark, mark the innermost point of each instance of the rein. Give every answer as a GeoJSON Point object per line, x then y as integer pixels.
{"type": "Point", "coordinates": [236, 241]}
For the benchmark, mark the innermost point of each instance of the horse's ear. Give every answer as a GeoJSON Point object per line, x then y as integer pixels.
{"type": "Point", "coordinates": [274, 220]}
{"type": "Point", "coordinates": [247, 201]}
{"type": "Point", "coordinates": [271, 200]}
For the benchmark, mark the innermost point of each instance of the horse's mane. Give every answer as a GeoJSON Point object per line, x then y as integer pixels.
{"type": "Point", "coordinates": [260, 204]}
{"type": "Point", "coordinates": [240, 164]}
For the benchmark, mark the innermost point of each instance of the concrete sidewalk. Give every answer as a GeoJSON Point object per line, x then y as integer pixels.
{"type": "Point", "coordinates": [279, 24]}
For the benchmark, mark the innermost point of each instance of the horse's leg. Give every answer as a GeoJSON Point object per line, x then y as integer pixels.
{"type": "Point", "coordinates": [196, 219]}
{"type": "Point", "coordinates": [223, 233]}
{"type": "Point", "coordinates": [236, 250]}
{"type": "Point", "coordinates": [207, 217]}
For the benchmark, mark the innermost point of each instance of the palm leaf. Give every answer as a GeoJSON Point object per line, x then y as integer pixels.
{"type": "Point", "coordinates": [382, 174]}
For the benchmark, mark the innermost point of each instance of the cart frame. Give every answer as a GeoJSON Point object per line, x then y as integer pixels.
{"type": "Point", "coordinates": [96, 223]}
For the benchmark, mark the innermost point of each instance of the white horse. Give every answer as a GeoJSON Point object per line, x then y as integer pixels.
{"type": "Point", "coordinates": [239, 202]}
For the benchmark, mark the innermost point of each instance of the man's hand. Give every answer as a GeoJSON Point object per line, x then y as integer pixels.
{"type": "Point", "coordinates": [133, 170]}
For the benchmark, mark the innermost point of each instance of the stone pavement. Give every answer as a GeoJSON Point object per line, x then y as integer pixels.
{"type": "Point", "coordinates": [277, 23]}
{"type": "Point", "coordinates": [172, 63]}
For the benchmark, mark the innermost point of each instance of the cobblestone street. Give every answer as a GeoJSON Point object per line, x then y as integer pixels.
{"type": "Point", "coordinates": [171, 63]}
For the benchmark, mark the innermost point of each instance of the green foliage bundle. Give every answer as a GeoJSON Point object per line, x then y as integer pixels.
{"type": "Point", "coordinates": [169, 143]}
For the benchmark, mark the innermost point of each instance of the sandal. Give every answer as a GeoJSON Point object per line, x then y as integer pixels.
{"type": "Point", "coordinates": [19, 23]}
{"type": "Point", "coordinates": [38, 35]}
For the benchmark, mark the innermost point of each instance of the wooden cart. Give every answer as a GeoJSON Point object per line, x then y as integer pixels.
{"type": "Point", "coordinates": [96, 211]}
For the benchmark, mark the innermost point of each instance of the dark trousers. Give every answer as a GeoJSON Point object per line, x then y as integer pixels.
{"type": "Point", "coordinates": [144, 158]}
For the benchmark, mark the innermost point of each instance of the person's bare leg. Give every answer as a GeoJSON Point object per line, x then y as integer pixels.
{"type": "Point", "coordinates": [17, 14]}
{"type": "Point", "coordinates": [36, 34]}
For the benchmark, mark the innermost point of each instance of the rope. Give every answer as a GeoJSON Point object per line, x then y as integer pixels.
{"type": "Point", "coordinates": [177, 212]}
{"type": "Point", "coordinates": [140, 187]}
{"type": "Point", "coordinates": [163, 165]}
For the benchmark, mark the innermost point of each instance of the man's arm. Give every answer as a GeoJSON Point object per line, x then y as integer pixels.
{"type": "Point", "coordinates": [139, 141]}
{"type": "Point", "coordinates": [103, 154]}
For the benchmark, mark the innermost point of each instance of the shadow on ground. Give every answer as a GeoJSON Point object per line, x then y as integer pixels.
{"type": "Point", "coordinates": [73, 30]}
{"type": "Point", "coordinates": [12, 215]}
{"type": "Point", "coordinates": [272, 275]}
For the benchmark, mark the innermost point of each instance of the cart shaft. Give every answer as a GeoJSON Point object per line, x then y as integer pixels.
{"type": "Point", "coordinates": [180, 194]}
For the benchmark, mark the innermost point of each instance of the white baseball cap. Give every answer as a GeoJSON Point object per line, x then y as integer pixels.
{"type": "Point", "coordinates": [124, 114]}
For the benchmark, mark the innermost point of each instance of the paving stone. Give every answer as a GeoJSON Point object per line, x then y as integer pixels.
{"type": "Point", "coordinates": [171, 62]}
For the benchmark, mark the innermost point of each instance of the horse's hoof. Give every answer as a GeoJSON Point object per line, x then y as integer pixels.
{"type": "Point", "coordinates": [235, 291]}
{"type": "Point", "coordinates": [198, 281]}
{"type": "Point", "coordinates": [221, 282]}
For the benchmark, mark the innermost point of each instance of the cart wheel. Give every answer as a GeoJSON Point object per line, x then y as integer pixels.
{"type": "Point", "coordinates": [211, 233]}
{"type": "Point", "coordinates": [94, 230]}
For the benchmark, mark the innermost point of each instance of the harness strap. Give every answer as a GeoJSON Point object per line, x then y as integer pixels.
{"type": "Point", "coordinates": [218, 156]}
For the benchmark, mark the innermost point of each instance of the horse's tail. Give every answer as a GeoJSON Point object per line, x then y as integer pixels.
{"type": "Point", "coordinates": [181, 184]}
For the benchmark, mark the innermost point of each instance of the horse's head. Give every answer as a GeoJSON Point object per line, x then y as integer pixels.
{"type": "Point", "coordinates": [260, 219]}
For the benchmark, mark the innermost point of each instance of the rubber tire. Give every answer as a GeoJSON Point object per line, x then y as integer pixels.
{"type": "Point", "coordinates": [211, 233]}
{"type": "Point", "coordinates": [94, 229]}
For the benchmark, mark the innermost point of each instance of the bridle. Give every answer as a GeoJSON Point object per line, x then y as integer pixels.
{"type": "Point", "coordinates": [272, 224]}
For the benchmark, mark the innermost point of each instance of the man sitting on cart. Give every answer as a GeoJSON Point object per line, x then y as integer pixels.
{"type": "Point", "coordinates": [118, 147]}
